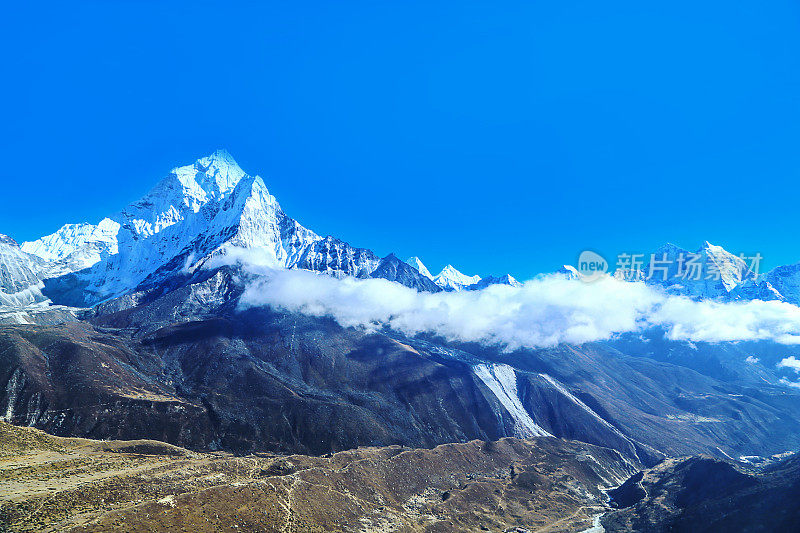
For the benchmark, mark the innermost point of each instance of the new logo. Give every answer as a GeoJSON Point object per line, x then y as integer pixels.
{"type": "Point", "coordinates": [591, 266]}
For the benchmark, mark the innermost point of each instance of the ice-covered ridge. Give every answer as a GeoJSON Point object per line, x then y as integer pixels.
{"type": "Point", "coordinates": [451, 279]}
{"type": "Point", "coordinates": [420, 266]}
{"type": "Point", "coordinates": [85, 243]}
{"type": "Point", "coordinates": [502, 381]}
{"type": "Point", "coordinates": [20, 275]}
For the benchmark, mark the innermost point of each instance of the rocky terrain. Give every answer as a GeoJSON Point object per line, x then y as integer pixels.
{"type": "Point", "coordinates": [545, 484]}
{"type": "Point", "coordinates": [182, 369]}
{"type": "Point", "coordinates": [701, 494]}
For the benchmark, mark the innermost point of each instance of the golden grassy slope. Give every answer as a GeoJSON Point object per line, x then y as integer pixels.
{"type": "Point", "coordinates": [54, 484]}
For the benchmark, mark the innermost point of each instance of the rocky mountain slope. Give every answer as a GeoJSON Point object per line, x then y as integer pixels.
{"type": "Point", "coordinates": [191, 368]}
{"type": "Point", "coordinates": [700, 494]}
{"type": "Point", "coordinates": [53, 484]}
{"type": "Point", "coordinates": [137, 328]}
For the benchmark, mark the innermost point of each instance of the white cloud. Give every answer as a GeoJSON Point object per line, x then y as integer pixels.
{"type": "Point", "coordinates": [260, 260]}
{"type": "Point", "coordinates": [713, 321]}
{"type": "Point", "coordinates": [543, 312]}
{"type": "Point", "coordinates": [790, 362]}
{"type": "Point", "coordinates": [795, 384]}
{"type": "Point", "coordinates": [752, 360]}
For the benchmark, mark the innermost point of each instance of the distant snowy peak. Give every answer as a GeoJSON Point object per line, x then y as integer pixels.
{"type": "Point", "coordinates": [420, 266]}
{"type": "Point", "coordinates": [783, 283]}
{"type": "Point", "coordinates": [82, 244]}
{"type": "Point", "coordinates": [569, 272]}
{"type": "Point", "coordinates": [507, 279]}
{"type": "Point", "coordinates": [450, 279]}
{"type": "Point", "coordinates": [20, 274]}
{"type": "Point", "coordinates": [393, 269]}
{"type": "Point", "coordinates": [709, 272]}
{"type": "Point", "coordinates": [733, 269]}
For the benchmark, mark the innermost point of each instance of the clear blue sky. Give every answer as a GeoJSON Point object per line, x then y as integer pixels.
{"type": "Point", "coordinates": [496, 138]}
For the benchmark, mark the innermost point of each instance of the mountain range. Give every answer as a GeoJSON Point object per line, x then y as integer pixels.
{"type": "Point", "coordinates": [194, 214]}
{"type": "Point", "coordinates": [718, 275]}
{"type": "Point", "coordinates": [134, 328]}
{"type": "Point", "coordinates": [200, 211]}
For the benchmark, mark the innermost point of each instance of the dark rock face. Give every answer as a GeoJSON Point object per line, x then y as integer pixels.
{"type": "Point", "coordinates": [393, 269]}
{"type": "Point", "coordinates": [336, 256]}
{"type": "Point", "coordinates": [285, 382]}
{"type": "Point", "coordinates": [190, 368]}
{"type": "Point", "coordinates": [290, 386]}
{"type": "Point", "coordinates": [75, 380]}
{"type": "Point", "coordinates": [700, 494]}
{"type": "Point", "coordinates": [629, 493]}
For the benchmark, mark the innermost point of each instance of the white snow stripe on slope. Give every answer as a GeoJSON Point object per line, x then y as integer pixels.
{"type": "Point", "coordinates": [502, 381]}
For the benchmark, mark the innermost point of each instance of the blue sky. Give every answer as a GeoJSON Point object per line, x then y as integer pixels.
{"type": "Point", "coordinates": [501, 139]}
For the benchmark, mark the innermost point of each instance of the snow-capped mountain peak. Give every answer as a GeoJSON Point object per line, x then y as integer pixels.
{"type": "Point", "coordinates": [20, 274]}
{"type": "Point", "coordinates": [212, 177]}
{"type": "Point", "coordinates": [198, 212]}
{"type": "Point", "coordinates": [222, 168]}
{"type": "Point", "coordinates": [78, 246]}
{"type": "Point", "coordinates": [452, 279]}
{"type": "Point", "coordinates": [569, 272]}
{"type": "Point", "coordinates": [420, 266]}
{"type": "Point", "coordinates": [709, 272]}
{"type": "Point", "coordinates": [732, 269]}
{"type": "Point", "coordinates": [190, 213]}
{"type": "Point", "coordinates": [184, 191]}
{"type": "Point", "coordinates": [506, 279]}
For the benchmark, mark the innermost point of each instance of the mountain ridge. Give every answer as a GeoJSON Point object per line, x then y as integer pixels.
{"type": "Point", "coordinates": [192, 215]}
{"type": "Point", "coordinates": [709, 273]}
